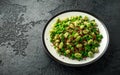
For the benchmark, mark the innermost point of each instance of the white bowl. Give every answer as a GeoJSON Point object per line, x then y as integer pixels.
{"type": "Point", "coordinates": [65, 60]}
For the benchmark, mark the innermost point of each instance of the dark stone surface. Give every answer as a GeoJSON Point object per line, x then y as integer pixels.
{"type": "Point", "coordinates": [21, 27]}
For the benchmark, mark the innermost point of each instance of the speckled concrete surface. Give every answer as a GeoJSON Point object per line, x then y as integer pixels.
{"type": "Point", "coordinates": [21, 27]}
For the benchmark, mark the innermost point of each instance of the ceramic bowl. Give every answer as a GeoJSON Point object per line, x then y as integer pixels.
{"type": "Point", "coordinates": [65, 60]}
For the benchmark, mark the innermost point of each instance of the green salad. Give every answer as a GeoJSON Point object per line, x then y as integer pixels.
{"type": "Point", "coordinates": [76, 37]}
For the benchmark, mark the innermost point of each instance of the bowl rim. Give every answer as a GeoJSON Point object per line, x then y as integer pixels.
{"type": "Point", "coordinates": [67, 64]}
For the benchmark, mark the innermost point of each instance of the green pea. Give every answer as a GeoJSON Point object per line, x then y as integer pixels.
{"type": "Point", "coordinates": [64, 53]}
{"type": "Point", "coordinates": [51, 40]}
{"type": "Point", "coordinates": [79, 17]}
{"type": "Point", "coordinates": [72, 56]}
{"type": "Point", "coordinates": [99, 37]}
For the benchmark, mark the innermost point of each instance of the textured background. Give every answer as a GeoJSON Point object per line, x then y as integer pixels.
{"type": "Point", "coordinates": [21, 27]}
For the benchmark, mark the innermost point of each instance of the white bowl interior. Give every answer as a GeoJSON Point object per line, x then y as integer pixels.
{"type": "Point", "coordinates": [53, 52]}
